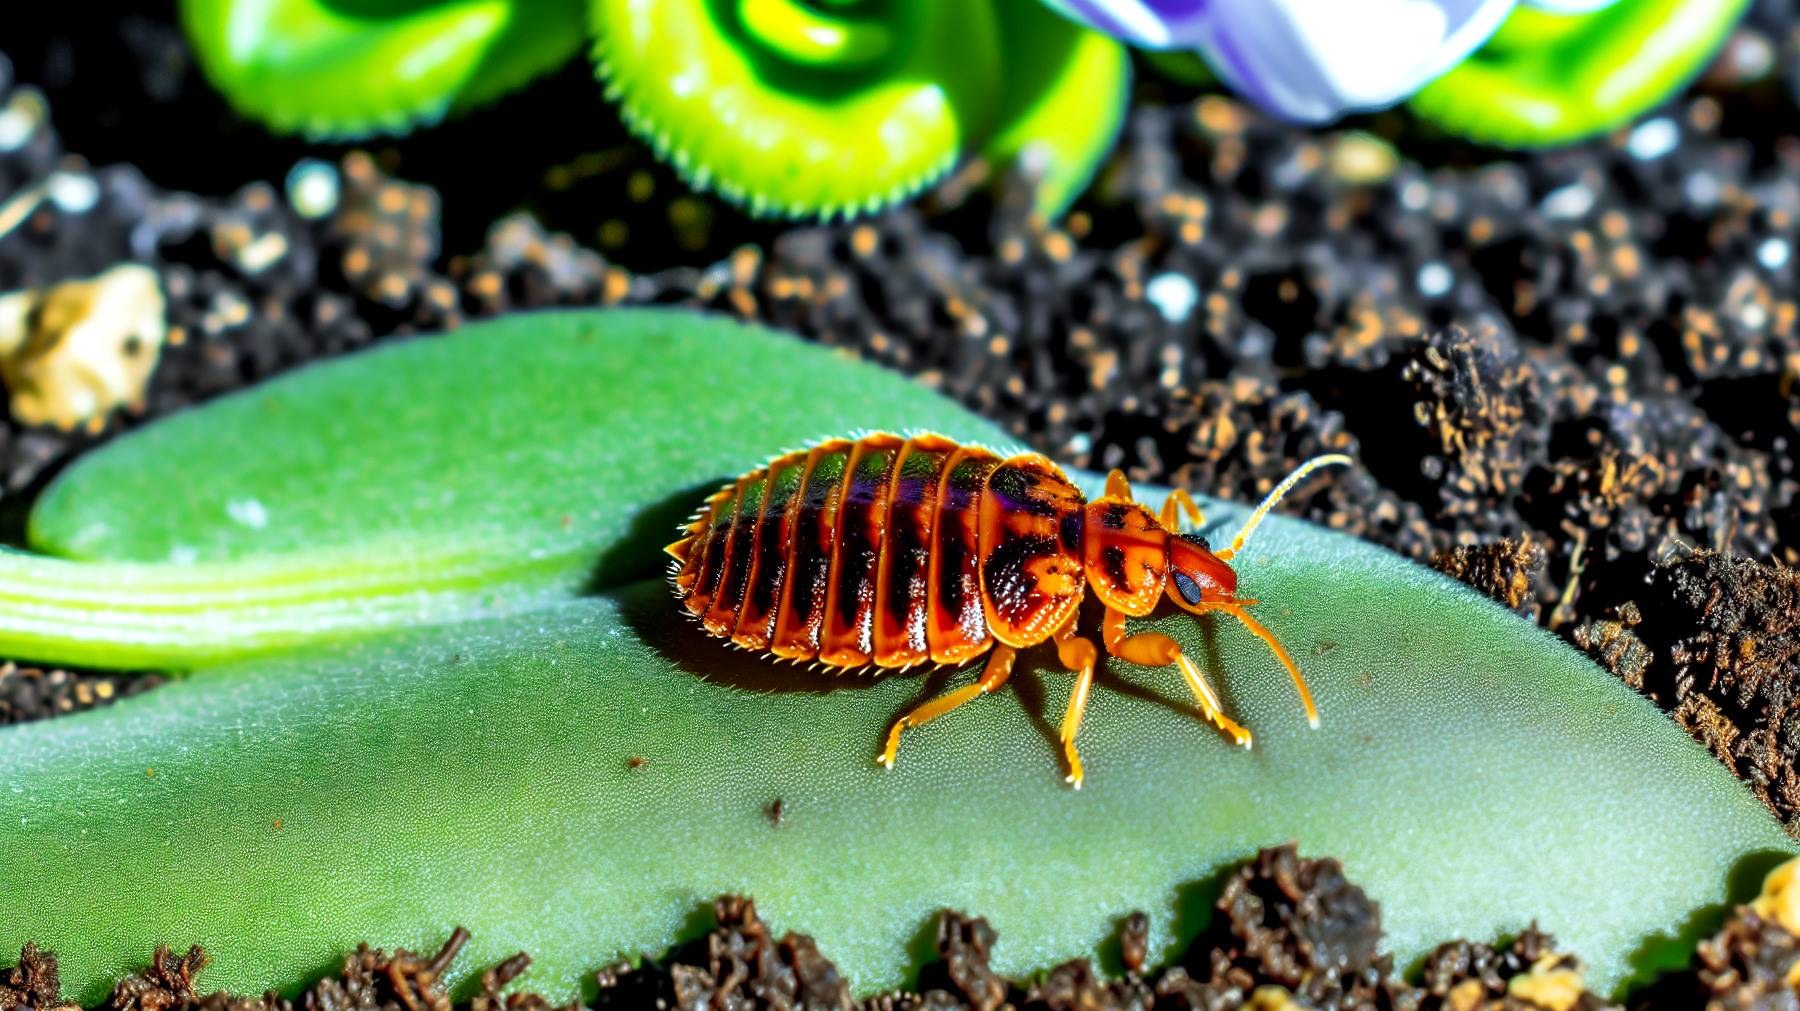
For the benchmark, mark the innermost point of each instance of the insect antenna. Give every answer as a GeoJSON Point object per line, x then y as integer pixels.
{"type": "Point", "coordinates": [1274, 497]}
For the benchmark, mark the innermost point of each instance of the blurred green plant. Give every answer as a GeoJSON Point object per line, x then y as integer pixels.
{"type": "Point", "coordinates": [790, 107]}
{"type": "Point", "coordinates": [472, 761]}
{"type": "Point", "coordinates": [342, 69]}
{"type": "Point", "coordinates": [1545, 79]}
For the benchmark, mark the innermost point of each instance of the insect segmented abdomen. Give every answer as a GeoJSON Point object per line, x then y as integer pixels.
{"type": "Point", "coordinates": [706, 549]}
{"type": "Point", "coordinates": [812, 538]}
{"type": "Point", "coordinates": [721, 617]}
{"type": "Point", "coordinates": [955, 627]}
{"type": "Point", "coordinates": [888, 551]}
{"type": "Point", "coordinates": [902, 587]}
{"type": "Point", "coordinates": [756, 618]}
{"type": "Point", "coordinates": [847, 636]}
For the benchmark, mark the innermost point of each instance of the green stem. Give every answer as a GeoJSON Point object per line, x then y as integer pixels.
{"type": "Point", "coordinates": [173, 617]}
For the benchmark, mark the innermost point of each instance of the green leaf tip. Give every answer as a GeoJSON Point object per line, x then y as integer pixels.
{"type": "Point", "coordinates": [1472, 771]}
{"type": "Point", "coordinates": [1546, 79]}
{"type": "Point", "coordinates": [796, 109]}
{"type": "Point", "coordinates": [346, 69]}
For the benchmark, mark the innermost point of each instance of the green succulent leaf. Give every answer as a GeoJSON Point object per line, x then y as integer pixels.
{"type": "Point", "coordinates": [758, 101]}
{"type": "Point", "coordinates": [343, 69]}
{"type": "Point", "coordinates": [514, 461]}
{"type": "Point", "coordinates": [1546, 79]}
{"type": "Point", "coordinates": [1063, 102]}
{"type": "Point", "coordinates": [1473, 772]}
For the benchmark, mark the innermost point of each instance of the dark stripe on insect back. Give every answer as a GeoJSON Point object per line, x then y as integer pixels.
{"type": "Point", "coordinates": [1071, 531]}
{"type": "Point", "coordinates": [1112, 565]}
{"type": "Point", "coordinates": [908, 552]}
{"type": "Point", "coordinates": [712, 563]}
{"type": "Point", "coordinates": [859, 544]}
{"type": "Point", "coordinates": [956, 602]}
{"type": "Point", "coordinates": [1113, 518]}
{"type": "Point", "coordinates": [771, 550]}
{"type": "Point", "coordinates": [1009, 583]}
{"type": "Point", "coordinates": [809, 556]}
{"type": "Point", "coordinates": [739, 555]}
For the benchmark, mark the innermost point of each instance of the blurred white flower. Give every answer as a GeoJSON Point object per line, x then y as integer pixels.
{"type": "Point", "coordinates": [1314, 60]}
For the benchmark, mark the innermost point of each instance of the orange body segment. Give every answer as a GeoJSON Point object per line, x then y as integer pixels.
{"type": "Point", "coordinates": [813, 535]}
{"type": "Point", "coordinates": [847, 638]}
{"type": "Point", "coordinates": [902, 587]}
{"type": "Point", "coordinates": [707, 562]}
{"type": "Point", "coordinates": [1125, 555]}
{"type": "Point", "coordinates": [1030, 543]}
{"type": "Point", "coordinates": [721, 617]}
{"type": "Point", "coordinates": [955, 626]}
{"type": "Point", "coordinates": [768, 568]}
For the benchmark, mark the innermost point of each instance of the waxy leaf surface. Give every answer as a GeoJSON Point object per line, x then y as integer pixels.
{"type": "Point", "coordinates": [1473, 773]}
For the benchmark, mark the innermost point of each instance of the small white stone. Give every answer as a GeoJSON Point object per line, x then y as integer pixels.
{"type": "Point", "coordinates": [1415, 195]}
{"type": "Point", "coordinates": [1568, 203]}
{"type": "Point", "coordinates": [1173, 294]}
{"type": "Point", "coordinates": [1773, 253]}
{"type": "Point", "coordinates": [1653, 138]}
{"type": "Point", "coordinates": [72, 192]}
{"type": "Point", "coordinates": [1701, 189]}
{"type": "Point", "coordinates": [21, 118]}
{"type": "Point", "coordinates": [1435, 279]}
{"type": "Point", "coordinates": [312, 188]}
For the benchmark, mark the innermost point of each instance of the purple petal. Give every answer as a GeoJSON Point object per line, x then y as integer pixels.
{"type": "Point", "coordinates": [1314, 60]}
{"type": "Point", "coordinates": [1150, 24]}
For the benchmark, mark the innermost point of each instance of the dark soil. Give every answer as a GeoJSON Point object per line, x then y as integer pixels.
{"type": "Point", "coordinates": [1289, 934]}
{"type": "Point", "coordinates": [1568, 377]}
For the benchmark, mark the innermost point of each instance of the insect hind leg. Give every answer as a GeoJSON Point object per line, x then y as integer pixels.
{"type": "Point", "coordinates": [1153, 649]}
{"type": "Point", "coordinates": [1078, 655]}
{"type": "Point", "coordinates": [999, 668]}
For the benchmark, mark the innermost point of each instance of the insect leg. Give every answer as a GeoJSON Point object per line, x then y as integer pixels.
{"type": "Point", "coordinates": [999, 668]}
{"type": "Point", "coordinates": [1117, 486]}
{"type": "Point", "coordinates": [1186, 501]}
{"type": "Point", "coordinates": [1238, 612]}
{"type": "Point", "coordinates": [1153, 649]}
{"type": "Point", "coordinates": [1079, 655]}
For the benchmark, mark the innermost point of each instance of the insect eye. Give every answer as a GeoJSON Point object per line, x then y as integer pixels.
{"type": "Point", "coordinates": [1197, 540]}
{"type": "Point", "coordinates": [1185, 585]}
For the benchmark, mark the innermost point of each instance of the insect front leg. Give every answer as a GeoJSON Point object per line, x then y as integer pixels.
{"type": "Point", "coordinates": [1078, 655]}
{"type": "Point", "coordinates": [999, 668]}
{"type": "Point", "coordinates": [1236, 610]}
{"type": "Point", "coordinates": [1153, 649]}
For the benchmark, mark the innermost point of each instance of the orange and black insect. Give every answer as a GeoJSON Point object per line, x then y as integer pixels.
{"type": "Point", "coordinates": [897, 552]}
